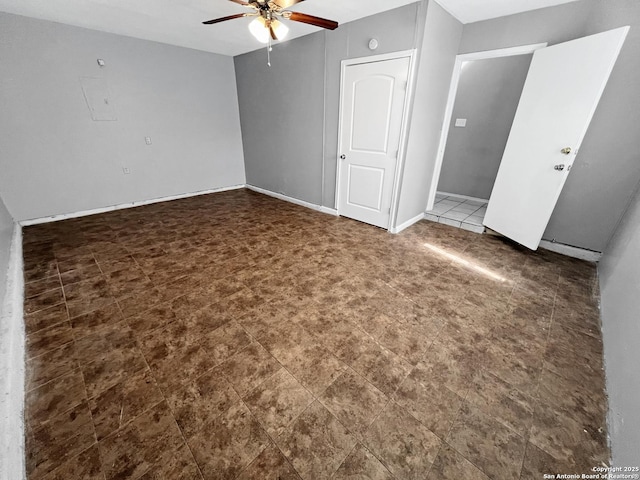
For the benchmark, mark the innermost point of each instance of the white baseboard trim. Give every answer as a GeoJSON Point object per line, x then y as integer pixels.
{"type": "Point", "coordinates": [84, 213]}
{"type": "Point", "coordinates": [302, 203]}
{"type": "Point", "coordinates": [575, 252]}
{"type": "Point", "coordinates": [329, 211]}
{"type": "Point", "coordinates": [465, 197]}
{"type": "Point", "coordinates": [407, 224]}
{"type": "Point", "coordinates": [12, 366]}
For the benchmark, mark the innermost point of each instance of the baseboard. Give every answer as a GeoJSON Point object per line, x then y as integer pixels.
{"type": "Point", "coordinates": [407, 224]}
{"type": "Point", "coordinates": [465, 197]}
{"type": "Point", "coordinates": [84, 213]}
{"type": "Point", "coordinates": [302, 203]}
{"type": "Point", "coordinates": [570, 251]}
{"type": "Point", "coordinates": [329, 211]}
{"type": "Point", "coordinates": [12, 366]}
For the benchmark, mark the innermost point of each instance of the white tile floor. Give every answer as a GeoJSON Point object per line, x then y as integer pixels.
{"type": "Point", "coordinates": [458, 212]}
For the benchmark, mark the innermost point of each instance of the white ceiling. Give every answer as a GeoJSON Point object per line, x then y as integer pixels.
{"type": "Point", "coordinates": [469, 11]}
{"type": "Point", "coordinates": [178, 22]}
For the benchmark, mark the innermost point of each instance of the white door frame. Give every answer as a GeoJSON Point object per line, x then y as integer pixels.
{"type": "Point", "coordinates": [453, 90]}
{"type": "Point", "coordinates": [411, 54]}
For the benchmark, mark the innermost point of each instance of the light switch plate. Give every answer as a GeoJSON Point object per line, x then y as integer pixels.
{"type": "Point", "coordinates": [461, 122]}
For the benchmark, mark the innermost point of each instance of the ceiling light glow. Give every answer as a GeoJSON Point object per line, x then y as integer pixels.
{"type": "Point", "coordinates": [259, 28]}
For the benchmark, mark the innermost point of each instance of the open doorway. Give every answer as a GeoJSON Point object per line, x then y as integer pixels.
{"type": "Point", "coordinates": [563, 87]}
{"type": "Point", "coordinates": [484, 96]}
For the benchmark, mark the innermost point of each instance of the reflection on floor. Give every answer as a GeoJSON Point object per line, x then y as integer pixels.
{"type": "Point", "coordinates": [237, 336]}
{"type": "Point", "coordinates": [458, 212]}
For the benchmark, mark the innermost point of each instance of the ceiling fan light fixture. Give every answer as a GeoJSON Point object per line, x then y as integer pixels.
{"type": "Point", "coordinates": [258, 29]}
{"type": "Point", "coordinates": [280, 29]}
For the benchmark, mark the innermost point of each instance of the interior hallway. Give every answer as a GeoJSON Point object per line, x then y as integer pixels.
{"type": "Point", "coordinates": [237, 336]}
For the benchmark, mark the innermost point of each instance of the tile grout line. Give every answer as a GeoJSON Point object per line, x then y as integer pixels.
{"type": "Point", "coordinates": [241, 399]}
{"type": "Point", "coordinates": [409, 296]}
{"type": "Point", "coordinates": [537, 398]}
{"type": "Point", "coordinates": [318, 399]}
{"type": "Point", "coordinates": [184, 438]}
{"type": "Point", "coordinates": [444, 440]}
{"type": "Point", "coordinates": [162, 393]}
{"type": "Point", "coordinates": [84, 382]}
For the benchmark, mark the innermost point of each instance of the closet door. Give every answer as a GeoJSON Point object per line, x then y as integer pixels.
{"type": "Point", "coordinates": [372, 106]}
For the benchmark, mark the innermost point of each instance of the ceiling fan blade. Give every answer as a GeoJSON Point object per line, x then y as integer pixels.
{"type": "Point", "coordinates": [224, 19]}
{"type": "Point", "coordinates": [286, 3]}
{"type": "Point", "coordinates": [241, 2]}
{"type": "Point", "coordinates": [311, 20]}
{"type": "Point", "coordinates": [273, 33]}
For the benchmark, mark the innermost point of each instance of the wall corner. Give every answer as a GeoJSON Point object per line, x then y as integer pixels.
{"type": "Point", "coordinates": [12, 367]}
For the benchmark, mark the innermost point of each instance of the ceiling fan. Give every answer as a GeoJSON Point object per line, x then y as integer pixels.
{"type": "Point", "coordinates": [266, 26]}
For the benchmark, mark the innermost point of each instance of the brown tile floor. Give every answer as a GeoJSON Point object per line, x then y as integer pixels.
{"type": "Point", "coordinates": [237, 336]}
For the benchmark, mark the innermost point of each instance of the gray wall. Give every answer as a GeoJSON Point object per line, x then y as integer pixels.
{"type": "Point", "coordinates": [436, 60]}
{"type": "Point", "coordinates": [488, 94]}
{"type": "Point", "coordinates": [289, 112]}
{"type": "Point", "coordinates": [606, 169]}
{"type": "Point", "coordinates": [55, 159]}
{"type": "Point", "coordinates": [281, 112]}
{"type": "Point", "coordinates": [619, 273]}
{"type": "Point", "coordinates": [6, 233]}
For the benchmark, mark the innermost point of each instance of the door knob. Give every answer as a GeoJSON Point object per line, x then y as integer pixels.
{"type": "Point", "coordinates": [343, 156]}
{"type": "Point", "coordinates": [566, 150]}
{"type": "Point", "coordinates": [559, 167]}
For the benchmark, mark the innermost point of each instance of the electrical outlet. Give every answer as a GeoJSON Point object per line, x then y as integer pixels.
{"type": "Point", "coordinates": [147, 140]}
{"type": "Point", "coordinates": [461, 122]}
{"type": "Point", "coordinates": [126, 170]}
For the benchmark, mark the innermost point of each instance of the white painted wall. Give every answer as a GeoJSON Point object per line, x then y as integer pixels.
{"type": "Point", "coordinates": [619, 273]}
{"type": "Point", "coordinates": [11, 349]}
{"type": "Point", "coordinates": [55, 159]}
{"type": "Point", "coordinates": [442, 35]}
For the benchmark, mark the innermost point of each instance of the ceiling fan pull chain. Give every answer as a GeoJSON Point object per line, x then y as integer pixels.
{"type": "Point", "coordinates": [269, 48]}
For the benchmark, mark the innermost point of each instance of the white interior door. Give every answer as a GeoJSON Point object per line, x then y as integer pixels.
{"type": "Point", "coordinates": [371, 112]}
{"type": "Point", "coordinates": [563, 87]}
